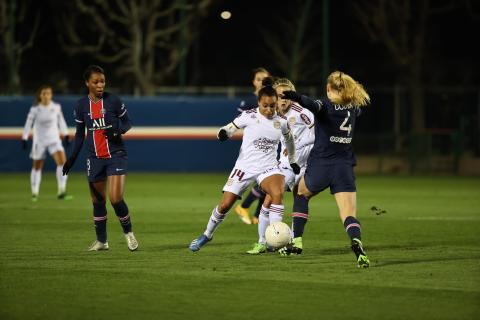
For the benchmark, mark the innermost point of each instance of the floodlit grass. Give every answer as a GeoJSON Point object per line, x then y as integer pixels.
{"type": "Point", "coordinates": [424, 252]}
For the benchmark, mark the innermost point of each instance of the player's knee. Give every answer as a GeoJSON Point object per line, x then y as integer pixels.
{"type": "Point", "coordinates": [276, 195]}
{"type": "Point", "coordinates": [115, 198]}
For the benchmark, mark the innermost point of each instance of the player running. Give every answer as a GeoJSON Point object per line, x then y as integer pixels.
{"type": "Point", "coordinates": [47, 120]}
{"type": "Point", "coordinates": [331, 160]}
{"type": "Point", "coordinates": [257, 160]}
{"type": "Point", "coordinates": [106, 118]}
{"type": "Point", "coordinates": [256, 193]}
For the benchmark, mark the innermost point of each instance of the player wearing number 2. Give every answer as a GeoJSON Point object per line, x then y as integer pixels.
{"type": "Point", "coordinates": [331, 159]}
{"type": "Point", "coordinates": [257, 161]}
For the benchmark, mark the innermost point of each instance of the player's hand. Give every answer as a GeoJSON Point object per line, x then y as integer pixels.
{"type": "Point", "coordinates": [113, 134]}
{"type": "Point", "coordinates": [24, 144]}
{"type": "Point", "coordinates": [67, 166]}
{"type": "Point", "coordinates": [222, 135]}
{"type": "Point", "coordinates": [291, 95]}
{"type": "Point", "coordinates": [295, 167]}
{"type": "Point", "coordinates": [66, 140]}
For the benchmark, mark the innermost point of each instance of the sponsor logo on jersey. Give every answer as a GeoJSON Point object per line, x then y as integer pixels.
{"type": "Point", "coordinates": [276, 124]}
{"type": "Point", "coordinates": [265, 145]}
{"type": "Point", "coordinates": [292, 120]}
{"type": "Point", "coordinates": [340, 139]}
{"type": "Point", "coordinates": [306, 119]}
{"type": "Point", "coordinates": [339, 107]}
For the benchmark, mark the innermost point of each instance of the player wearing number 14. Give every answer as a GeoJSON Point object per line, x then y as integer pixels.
{"type": "Point", "coordinates": [257, 161]}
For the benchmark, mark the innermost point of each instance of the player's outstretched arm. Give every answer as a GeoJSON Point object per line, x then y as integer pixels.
{"type": "Point", "coordinates": [306, 102]}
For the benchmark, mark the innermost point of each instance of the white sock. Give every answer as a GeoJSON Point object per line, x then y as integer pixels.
{"type": "Point", "coordinates": [35, 179]}
{"type": "Point", "coordinates": [276, 212]}
{"type": "Point", "coordinates": [215, 219]}
{"type": "Point", "coordinates": [61, 180]}
{"type": "Point", "coordinates": [263, 222]}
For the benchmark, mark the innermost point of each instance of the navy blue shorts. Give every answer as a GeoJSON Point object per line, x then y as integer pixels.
{"type": "Point", "coordinates": [339, 177]}
{"type": "Point", "coordinates": [100, 169]}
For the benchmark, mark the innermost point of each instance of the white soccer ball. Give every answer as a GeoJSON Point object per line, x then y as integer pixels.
{"type": "Point", "coordinates": [278, 235]}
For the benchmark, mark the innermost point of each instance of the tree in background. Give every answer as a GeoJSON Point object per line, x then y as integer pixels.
{"type": "Point", "coordinates": [15, 39]}
{"type": "Point", "coordinates": [402, 27]}
{"type": "Point", "coordinates": [146, 40]}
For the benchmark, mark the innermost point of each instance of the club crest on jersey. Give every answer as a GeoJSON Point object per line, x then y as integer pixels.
{"type": "Point", "coordinates": [229, 182]}
{"type": "Point", "coordinates": [103, 111]}
{"type": "Point", "coordinates": [276, 124]}
{"type": "Point", "coordinates": [292, 120]}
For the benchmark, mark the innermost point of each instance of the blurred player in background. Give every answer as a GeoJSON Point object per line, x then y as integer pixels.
{"type": "Point", "coordinates": [331, 160]}
{"type": "Point", "coordinates": [257, 161]}
{"type": "Point", "coordinates": [301, 122]}
{"type": "Point", "coordinates": [106, 118]}
{"type": "Point", "coordinates": [48, 123]}
{"type": "Point", "coordinates": [256, 193]}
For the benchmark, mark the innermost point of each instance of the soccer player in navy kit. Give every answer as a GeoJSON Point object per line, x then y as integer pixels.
{"type": "Point", "coordinates": [331, 159]}
{"type": "Point", "coordinates": [106, 119]}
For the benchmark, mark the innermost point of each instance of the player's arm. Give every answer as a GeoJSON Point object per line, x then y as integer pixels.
{"type": "Point", "coordinates": [314, 106]}
{"type": "Point", "coordinates": [115, 134]}
{"type": "Point", "coordinates": [62, 125]}
{"type": "Point", "coordinates": [78, 142]}
{"type": "Point", "coordinates": [290, 145]}
{"type": "Point", "coordinates": [228, 130]}
{"type": "Point", "coordinates": [28, 126]}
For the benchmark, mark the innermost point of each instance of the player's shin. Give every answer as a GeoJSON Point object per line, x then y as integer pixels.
{"type": "Point", "coordinates": [121, 210]}
{"type": "Point", "coordinates": [276, 212]}
{"type": "Point", "coordinates": [35, 179]}
{"type": "Point", "coordinates": [215, 219]}
{"type": "Point", "coordinates": [353, 228]}
{"type": "Point", "coordinates": [61, 180]}
{"type": "Point", "coordinates": [299, 215]}
{"type": "Point", "coordinates": [263, 222]}
{"type": "Point", "coordinates": [100, 221]}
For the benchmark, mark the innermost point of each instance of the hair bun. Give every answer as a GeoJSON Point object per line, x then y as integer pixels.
{"type": "Point", "coordinates": [267, 82]}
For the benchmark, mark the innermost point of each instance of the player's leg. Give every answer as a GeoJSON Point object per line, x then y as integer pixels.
{"type": "Point", "coordinates": [97, 193]}
{"type": "Point", "coordinates": [261, 199]}
{"type": "Point", "coordinates": [344, 190]}
{"type": "Point", "coordinates": [36, 178]}
{"type": "Point", "coordinates": [274, 186]}
{"type": "Point", "coordinates": [60, 158]}
{"type": "Point", "coordinates": [237, 182]}
{"type": "Point", "coordinates": [242, 209]}
{"type": "Point", "coordinates": [116, 170]}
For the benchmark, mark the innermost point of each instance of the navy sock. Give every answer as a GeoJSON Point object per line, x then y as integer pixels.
{"type": "Point", "coordinates": [121, 210]}
{"type": "Point", "coordinates": [255, 193]}
{"type": "Point", "coordinates": [353, 228]}
{"type": "Point", "coordinates": [299, 215]}
{"type": "Point", "coordinates": [259, 207]}
{"type": "Point", "coordinates": [100, 221]}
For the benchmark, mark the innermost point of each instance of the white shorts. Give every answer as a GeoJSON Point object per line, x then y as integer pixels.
{"type": "Point", "coordinates": [292, 179]}
{"type": "Point", "coordinates": [239, 180]}
{"type": "Point", "coordinates": [39, 149]}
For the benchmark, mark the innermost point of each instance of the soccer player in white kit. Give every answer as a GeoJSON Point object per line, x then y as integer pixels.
{"type": "Point", "coordinates": [48, 122]}
{"type": "Point", "coordinates": [257, 161]}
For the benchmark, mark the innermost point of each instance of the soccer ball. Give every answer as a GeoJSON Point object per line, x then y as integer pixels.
{"type": "Point", "coordinates": [278, 235]}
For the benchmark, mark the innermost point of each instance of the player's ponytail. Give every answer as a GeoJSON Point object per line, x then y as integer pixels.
{"type": "Point", "coordinates": [349, 90]}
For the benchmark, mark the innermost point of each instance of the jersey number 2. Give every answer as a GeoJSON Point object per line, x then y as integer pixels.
{"type": "Point", "coordinates": [345, 128]}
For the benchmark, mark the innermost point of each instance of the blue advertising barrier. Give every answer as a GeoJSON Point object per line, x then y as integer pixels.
{"type": "Point", "coordinates": [180, 133]}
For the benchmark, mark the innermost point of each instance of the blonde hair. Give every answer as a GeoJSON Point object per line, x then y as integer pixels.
{"type": "Point", "coordinates": [283, 82]}
{"type": "Point", "coordinates": [350, 91]}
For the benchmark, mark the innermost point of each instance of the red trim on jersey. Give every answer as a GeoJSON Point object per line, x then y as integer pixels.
{"type": "Point", "coordinates": [100, 142]}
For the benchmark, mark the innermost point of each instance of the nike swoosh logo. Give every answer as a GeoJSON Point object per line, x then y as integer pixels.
{"type": "Point", "coordinates": [118, 169]}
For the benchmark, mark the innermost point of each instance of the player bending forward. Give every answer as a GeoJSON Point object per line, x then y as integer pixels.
{"type": "Point", "coordinates": [257, 160]}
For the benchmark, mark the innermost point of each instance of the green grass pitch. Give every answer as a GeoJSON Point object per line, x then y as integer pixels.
{"type": "Point", "coordinates": [424, 252]}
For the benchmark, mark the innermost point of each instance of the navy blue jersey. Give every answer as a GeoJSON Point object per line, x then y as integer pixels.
{"type": "Point", "coordinates": [250, 102]}
{"type": "Point", "coordinates": [96, 117]}
{"type": "Point", "coordinates": [334, 127]}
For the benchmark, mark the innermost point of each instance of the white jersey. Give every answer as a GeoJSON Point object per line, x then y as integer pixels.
{"type": "Point", "coordinates": [47, 123]}
{"type": "Point", "coordinates": [301, 122]}
{"type": "Point", "coordinates": [261, 137]}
